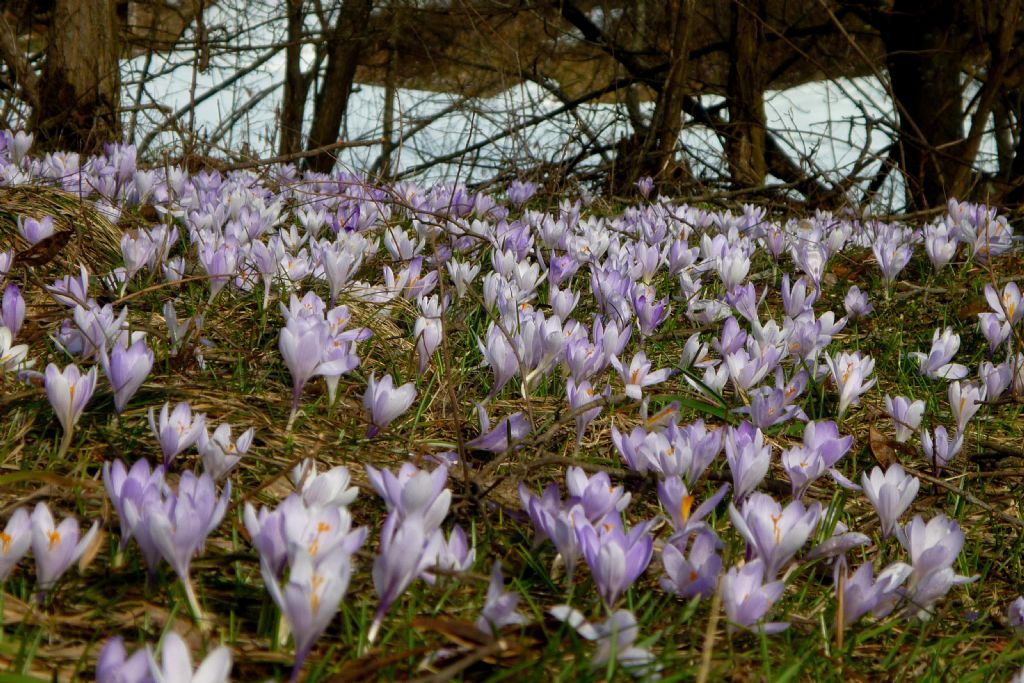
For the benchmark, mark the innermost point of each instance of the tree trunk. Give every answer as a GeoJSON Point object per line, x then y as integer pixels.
{"type": "Point", "coordinates": [296, 83]}
{"type": "Point", "coordinates": [80, 85]}
{"type": "Point", "coordinates": [346, 44]}
{"type": "Point", "coordinates": [924, 47]}
{"type": "Point", "coordinates": [745, 134]}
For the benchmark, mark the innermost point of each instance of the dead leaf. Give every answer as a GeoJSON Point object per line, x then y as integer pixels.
{"type": "Point", "coordinates": [43, 251]}
{"type": "Point", "coordinates": [881, 447]}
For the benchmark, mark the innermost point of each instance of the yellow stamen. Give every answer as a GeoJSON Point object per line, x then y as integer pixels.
{"type": "Point", "coordinates": [685, 506]}
{"type": "Point", "coordinates": [54, 537]}
{"type": "Point", "coordinates": [5, 541]}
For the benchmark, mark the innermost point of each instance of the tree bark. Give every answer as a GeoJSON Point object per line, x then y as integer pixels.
{"type": "Point", "coordinates": [346, 44]}
{"type": "Point", "coordinates": [745, 134]}
{"type": "Point", "coordinates": [924, 47]}
{"type": "Point", "coordinates": [79, 90]}
{"type": "Point", "coordinates": [296, 83]}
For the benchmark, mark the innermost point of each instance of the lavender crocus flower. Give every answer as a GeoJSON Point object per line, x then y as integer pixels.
{"type": "Point", "coordinates": [965, 400]}
{"type": "Point", "coordinates": [748, 457]}
{"type": "Point", "coordinates": [615, 558]}
{"type": "Point", "coordinates": [772, 532]}
{"type": "Point", "coordinates": [553, 521]}
{"type": "Point", "coordinates": [863, 593]}
{"type": "Point", "coordinates": [857, 304]}
{"type": "Point", "coordinates": [414, 493]}
{"type": "Point", "coordinates": [500, 356]}
{"type": "Point", "coordinates": [638, 375]}
{"type": "Point", "coordinates": [138, 484]}
{"type": "Point", "coordinates": [678, 503]}
{"type": "Point", "coordinates": [499, 608]}
{"type": "Point", "coordinates": [176, 663]}
{"type": "Point", "coordinates": [1008, 306]}
{"type": "Point", "coordinates": [615, 637]}
{"type": "Point", "coordinates": [995, 331]}
{"type": "Point", "coordinates": [937, 365]}
{"type": "Point", "coordinates": [115, 666]}
{"type": "Point", "coordinates": [696, 575]}
{"type": "Point", "coordinates": [12, 309]}
{"type": "Point", "coordinates": [1015, 614]}
{"type": "Point", "coordinates": [179, 529]}
{"type": "Point", "coordinates": [68, 391]}
{"type": "Point", "coordinates": [15, 540]}
{"type": "Point", "coordinates": [310, 597]}
{"type": "Point", "coordinates": [498, 440]}
{"type": "Point", "coordinates": [747, 598]}
{"type": "Point", "coordinates": [891, 494]}
{"type": "Point", "coordinates": [12, 356]}
{"type": "Point", "coordinates": [383, 402]}
{"type": "Point", "coordinates": [219, 452]}
{"type": "Point", "coordinates": [581, 395]}
{"type": "Point", "coordinates": [941, 449]}
{"type": "Point", "coordinates": [302, 343]}
{"type": "Point", "coordinates": [329, 488]}
{"type": "Point", "coordinates": [933, 548]}
{"type": "Point", "coordinates": [127, 368]}
{"type": "Point", "coordinates": [906, 414]}
{"type": "Point", "coordinates": [407, 549]}
{"type": "Point", "coordinates": [850, 373]}
{"type": "Point", "coordinates": [56, 547]}
{"type": "Point", "coordinates": [35, 230]}
{"type": "Point", "coordinates": [176, 430]}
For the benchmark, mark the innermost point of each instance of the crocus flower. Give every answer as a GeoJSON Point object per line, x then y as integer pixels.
{"type": "Point", "coordinates": [414, 493]}
{"type": "Point", "coordinates": [68, 391]}
{"type": "Point", "coordinates": [554, 522]}
{"type": "Point", "coordinates": [310, 597]}
{"type": "Point", "coordinates": [678, 502]}
{"type": "Point", "coordinates": [115, 666]}
{"type": "Point", "coordinates": [383, 402]}
{"type": "Point", "coordinates": [890, 493]}
{"type": "Point", "coordinates": [498, 440]}
{"type": "Point", "coordinates": [581, 395]}
{"type": "Point", "coordinates": [500, 356]}
{"type": "Point", "coordinates": [941, 449]}
{"type": "Point", "coordinates": [863, 593]}
{"type": "Point", "coordinates": [176, 663]}
{"type": "Point", "coordinates": [933, 548]}
{"type": "Point", "coordinates": [994, 330]}
{"type": "Point", "coordinates": [127, 368]}
{"type": "Point", "coordinates": [180, 528]}
{"type": "Point", "coordinates": [937, 365]}
{"type": "Point", "coordinates": [219, 453]}
{"type": "Point", "coordinates": [499, 608]}
{"type": "Point", "coordinates": [14, 541]}
{"type": "Point", "coordinates": [747, 598]}
{"type": "Point", "coordinates": [12, 309]}
{"type": "Point", "coordinates": [772, 532]}
{"type": "Point", "coordinates": [614, 636]}
{"type": "Point", "coordinates": [595, 494]}
{"type": "Point", "coordinates": [56, 547]}
{"type": "Point", "coordinates": [850, 372]}
{"type": "Point", "coordinates": [638, 375]}
{"type": "Point", "coordinates": [140, 485]}
{"type": "Point", "coordinates": [329, 488]}
{"type": "Point", "coordinates": [906, 414]}
{"type": "Point", "coordinates": [748, 457]}
{"type": "Point", "coordinates": [857, 304]}
{"type": "Point", "coordinates": [177, 429]}
{"type": "Point", "coordinates": [407, 549]}
{"type": "Point", "coordinates": [302, 343]}
{"type": "Point", "coordinates": [965, 400]}
{"type": "Point", "coordinates": [12, 356]}
{"type": "Point", "coordinates": [1015, 614]}
{"type": "Point", "coordinates": [615, 558]}
{"type": "Point", "coordinates": [35, 230]}
{"type": "Point", "coordinates": [1009, 305]}
{"type": "Point", "coordinates": [696, 575]}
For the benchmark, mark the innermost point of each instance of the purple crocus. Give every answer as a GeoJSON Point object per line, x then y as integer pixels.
{"type": "Point", "coordinates": [581, 395]}
{"type": "Point", "coordinates": [56, 547]}
{"type": "Point", "coordinates": [696, 575]}
{"type": "Point", "coordinates": [407, 549]}
{"type": "Point", "coordinates": [302, 343]}
{"type": "Point", "coordinates": [179, 528]}
{"type": "Point", "coordinates": [68, 391]}
{"type": "Point", "coordinates": [15, 540]}
{"type": "Point", "coordinates": [329, 488]}
{"type": "Point", "coordinates": [499, 608]}
{"type": "Point", "coordinates": [414, 493]}
{"type": "Point", "coordinates": [383, 402]}
{"type": "Point", "coordinates": [941, 449]}
{"type": "Point", "coordinates": [773, 533]}
{"type": "Point", "coordinates": [906, 414]}
{"type": "Point", "coordinates": [850, 372]}
{"type": "Point", "coordinates": [615, 558]}
{"type": "Point", "coordinates": [507, 432]}
{"type": "Point", "coordinates": [964, 400]}
{"type": "Point", "coordinates": [139, 485]}
{"type": "Point", "coordinates": [678, 503]}
{"type": "Point", "coordinates": [219, 452]}
{"type": "Point", "coordinates": [857, 304]}
{"type": "Point", "coordinates": [936, 364]}
{"type": "Point", "coordinates": [12, 309]}
{"type": "Point", "coordinates": [933, 548]}
{"type": "Point", "coordinates": [310, 597]}
{"type": "Point", "coordinates": [115, 666]}
{"type": "Point", "coordinates": [638, 375]}
{"type": "Point", "coordinates": [891, 494]}
{"type": "Point", "coordinates": [176, 663]}
{"type": "Point", "coordinates": [748, 457]}
{"type": "Point", "coordinates": [127, 368]}
{"type": "Point", "coordinates": [1015, 614]}
{"type": "Point", "coordinates": [747, 598]}
{"type": "Point", "coordinates": [863, 593]}
{"type": "Point", "coordinates": [614, 637]}
{"type": "Point", "coordinates": [176, 430]}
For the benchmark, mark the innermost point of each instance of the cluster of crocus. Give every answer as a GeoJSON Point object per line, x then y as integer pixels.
{"type": "Point", "coordinates": [55, 547]}
{"type": "Point", "coordinates": [317, 342]}
{"type": "Point", "coordinates": [168, 524]}
{"type": "Point", "coordinates": [305, 547]}
{"type": "Point", "coordinates": [114, 665]}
